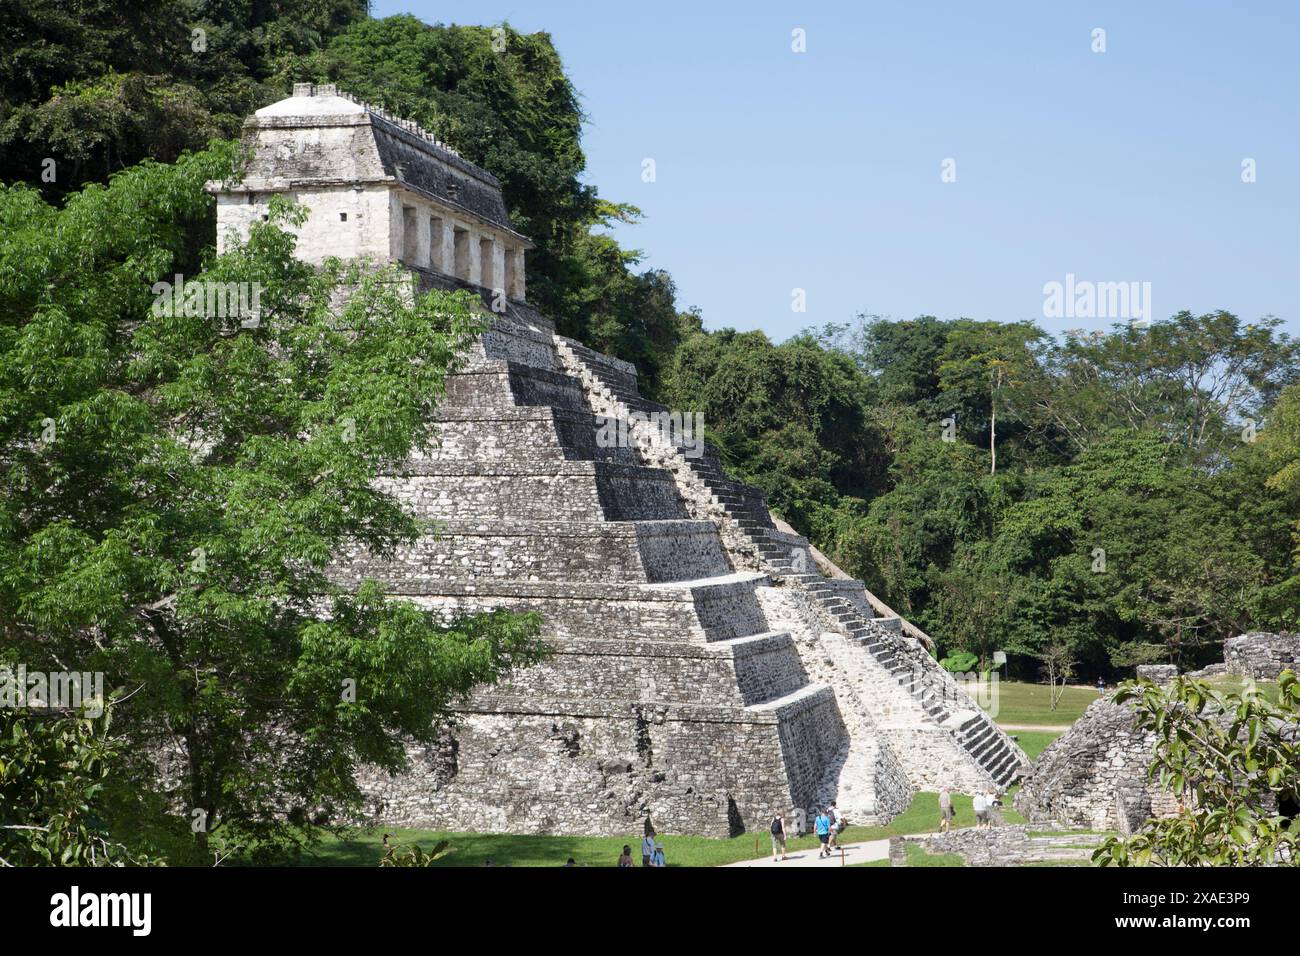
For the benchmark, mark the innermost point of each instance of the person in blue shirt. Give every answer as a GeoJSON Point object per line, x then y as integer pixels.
{"type": "Point", "coordinates": [822, 827]}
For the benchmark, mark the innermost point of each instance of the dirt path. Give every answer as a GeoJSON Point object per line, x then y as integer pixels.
{"type": "Point", "coordinates": [853, 853]}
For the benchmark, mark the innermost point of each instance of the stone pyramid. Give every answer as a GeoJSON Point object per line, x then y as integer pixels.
{"type": "Point", "coordinates": [706, 671]}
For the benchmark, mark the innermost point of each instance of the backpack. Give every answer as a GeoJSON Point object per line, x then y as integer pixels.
{"type": "Point", "coordinates": [777, 827]}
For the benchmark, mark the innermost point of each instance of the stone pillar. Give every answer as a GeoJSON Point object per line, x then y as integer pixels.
{"type": "Point", "coordinates": [448, 247]}
{"type": "Point", "coordinates": [475, 259]}
{"type": "Point", "coordinates": [423, 239]}
{"type": "Point", "coordinates": [488, 276]}
{"type": "Point", "coordinates": [442, 253]}
{"type": "Point", "coordinates": [499, 266]}
{"type": "Point", "coordinates": [516, 273]}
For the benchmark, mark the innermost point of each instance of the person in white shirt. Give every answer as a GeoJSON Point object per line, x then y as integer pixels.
{"type": "Point", "coordinates": [647, 848]}
{"type": "Point", "coordinates": [991, 809]}
{"type": "Point", "coordinates": [981, 805]}
{"type": "Point", "coordinates": [837, 823]}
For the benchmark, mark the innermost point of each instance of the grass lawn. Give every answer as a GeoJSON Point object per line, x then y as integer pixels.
{"type": "Point", "coordinates": [916, 856]}
{"type": "Point", "coordinates": [1231, 684]}
{"type": "Point", "coordinates": [364, 848]}
{"type": "Point", "coordinates": [1018, 703]}
{"type": "Point", "coordinates": [1034, 742]}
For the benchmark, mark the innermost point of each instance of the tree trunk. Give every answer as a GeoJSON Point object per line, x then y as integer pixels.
{"type": "Point", "coordinates": [993, 438]}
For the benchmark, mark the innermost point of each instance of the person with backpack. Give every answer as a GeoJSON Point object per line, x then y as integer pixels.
{"type": "Point", "coordinates": [778, 838]}
{"type": "Point", "coordinates": [837, 824]}
{"type": "Point", "coordinates": [647, 846]}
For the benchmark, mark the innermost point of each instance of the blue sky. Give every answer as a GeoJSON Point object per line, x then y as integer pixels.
{"type": "Point", "coordinates": [821, 170]}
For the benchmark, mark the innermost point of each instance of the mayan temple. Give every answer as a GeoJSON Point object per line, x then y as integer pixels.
{"type": "Point", "coordinates": [709, 667]}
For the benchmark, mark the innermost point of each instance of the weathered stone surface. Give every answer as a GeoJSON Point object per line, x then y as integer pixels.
{"type": "Point", "coordinates": [999, 846]}
{"type": "Point", "coordinates": [1133, 805]}
{"type": "Point", "coordinates": [1261, 655]}
{"type": "Point", "coordinates": [1160, 673]}
{"type": "Point", "coordinates": [1075, 780]}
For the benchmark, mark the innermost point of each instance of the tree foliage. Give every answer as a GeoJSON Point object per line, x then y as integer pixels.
{"type": "Point", "coordinates": [176, 484]}
{"type": "Point", "coordinates": [54, 769]}
{"type": "Point", "coordinates": [98, 86]}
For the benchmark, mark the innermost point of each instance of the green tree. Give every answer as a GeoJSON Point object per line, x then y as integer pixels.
{"type": "Point", "coordinates": [1233, 761]}
{"type": "Point", "coordinates": [54, 769]}
{"type": "Point", "coordinates": [97, 86]}
{"type": "Point", "coordinates": [983, 364]}
{"type": "Point", "coordinates": [1196, 380]}
{"type": "Point", "coordinates": [790, 419]}
{"type": "Point", "coordinates": [611, 308]}
{"type": "Point", "coordinates": [176, 484]}
{"type": "Point", "coordinates": [1128, 544]}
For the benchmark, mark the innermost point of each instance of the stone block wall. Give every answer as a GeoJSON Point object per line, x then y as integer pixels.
{"type": "Point", "coordinates": [553, 766]}
{"type": "Point", "coordinates": [571, 609]}
{"type": "Point", "coordinates": [1076, 779]}
{"type": "Point", "coordinates": [518, 433]}
{"type": "Point", "coordinates": [562, 491]}
{"type": "Point", "coordinates": [1261, 655]}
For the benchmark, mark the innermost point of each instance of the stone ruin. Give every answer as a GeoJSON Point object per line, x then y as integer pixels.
{"type": "Point", "coordinates": [705, 671]}
{"type": "Point", "coordinates": [1256, 655]}
{"type": "Point", "coordinates": [1095, 775]}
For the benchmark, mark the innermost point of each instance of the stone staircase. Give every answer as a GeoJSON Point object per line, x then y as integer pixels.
{"type": "Point", "coordinates": [747, 528]}
{"type": "Point", "coordinates": [916, 672]}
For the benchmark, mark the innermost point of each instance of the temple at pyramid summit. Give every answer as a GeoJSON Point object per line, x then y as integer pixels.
{"type": "Point", "coordinates": [709, 666]}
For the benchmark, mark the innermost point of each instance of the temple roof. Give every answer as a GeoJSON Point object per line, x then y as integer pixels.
{"type": "Point", "coordinates": [321, 135]}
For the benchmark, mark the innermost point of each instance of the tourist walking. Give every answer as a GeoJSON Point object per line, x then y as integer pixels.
{"type": "Point", "coordinates": [778, 838]}
{"type": "Point", "coordinates": [822, 827]}
{"type": "Point", "coordinates": [647, 846]}
{"type": "Point", "coordinates": [945, 809]}
{"type": "Point", "coordinates": [837, 824]}
{"type": "Point", "coordinates": [625, 860]}
{"type": "Point", "coordinates": [981, 805]}
{"type": "Point", "coordinates": [991, 809]}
